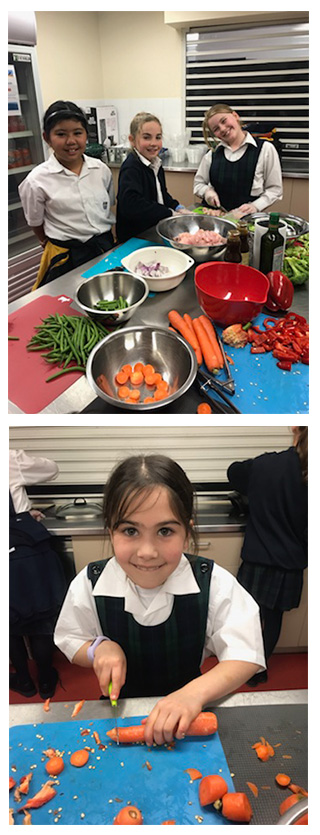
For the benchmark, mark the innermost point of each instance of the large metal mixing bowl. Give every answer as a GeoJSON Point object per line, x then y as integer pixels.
{"type": "Point", "coordinates": [296, 226]}
{"type": "Point", "coordinates": [110, 286]}
{"type": "Point", "coordinates": [169, 228]}
{"type": "Point", "coordinates": [168, 352]}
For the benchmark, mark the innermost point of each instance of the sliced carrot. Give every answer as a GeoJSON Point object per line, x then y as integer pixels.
{"type": "Point", "coordinates": [77, 708]}
{"type": "Point", "coordinates": [157, 378]}
{"type": "Point", "coordinates": [253, 788]}
{"type": "Point", "coordinates": [136, 378]}
{"type": "Point", "coordinates": [127, 368]}
{"type": "Point", "coordinates": [211, 788]}
{"type": "Point", "coordinates": [209, 357]}
{"type": "Point", "coordinates": [288, 802]}
{"type": "Point", "coordinates": [149, 400]}
{"type": "Point", "coordinates": [138, 366]}
{"type": "Point", "coordinates": [194, 773]}
{"type": "Point", "coordinates": [24, 783]}
{"type": "Point", "coordinates": [129, 815]}
{"type": "Point", "coordinates": [46, 705]}
{"type": "Point", "coordinates": [160, 394]}
{"type": "Point", "coordinates": [297, 789]}
{"type": "Point", "coordinates": [122, 378]}
{"type": "Point", "coordinates": [302, 821]}
{"type": "Point", "coordinates": [134, 394]}
{"type": "Point", "coordinates": [41, 797]}
{"type": "Point", "coordinates": [150, 379]}
{"type": "Point", "coordinates": [208, 326]}
{"type": "Point", "coordinates": [178, 322]}
{"type": "Point", "coordinates": [123, 392]}
{"type": "Point", "coordinates": [163, 385]}
{"type": "Point", "coordinates": [236, 806]}
{"type": "Point", "coordinates": [148, 369]}
{"type": "Point", "coordinates": [282, 779]}
{"type": "Point", "coordinates": [166, 823]}
{"type": "Point", "coordinates": [204, 409]}
{"type": "Point", "coordinates": [12, 782]}
{"type": "Point", "coordinates": [54, 766]}
{"type": "Point", "coordinates": [231, 362]}
{"type": "Point", "coordinates": [263, 749]}
{"type": "Point", "coordinates": [79, 758]}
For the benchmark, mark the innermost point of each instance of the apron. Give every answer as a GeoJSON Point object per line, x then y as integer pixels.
{"type": "Point", "coordinates": [233, 180]}
{"type": "Point", "coordinates": [59, 257]}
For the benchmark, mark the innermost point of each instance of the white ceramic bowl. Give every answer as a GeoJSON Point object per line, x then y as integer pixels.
{"type": "Point", "coordinates": [177, 262]}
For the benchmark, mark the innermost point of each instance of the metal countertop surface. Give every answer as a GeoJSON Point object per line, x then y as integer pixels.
{"type": "Point", "coordinates": [80, 396]}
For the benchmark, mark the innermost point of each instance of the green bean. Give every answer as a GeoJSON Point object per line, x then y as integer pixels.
{"type": "Point", "coordinates": [15, 338]}
{"type": "Point", "coordinates": [65, 371]}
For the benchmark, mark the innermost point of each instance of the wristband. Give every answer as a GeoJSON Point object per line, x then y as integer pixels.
{"type": "Point", "coordinates": [92, 648]}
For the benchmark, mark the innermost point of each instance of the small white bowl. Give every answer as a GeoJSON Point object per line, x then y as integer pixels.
{"type": "Point", "coordinates": [177, 262]}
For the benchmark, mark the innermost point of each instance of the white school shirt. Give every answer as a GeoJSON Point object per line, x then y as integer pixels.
{"type": "Point", "coordinates": [233, 630]}
{"type": "Point", "coordinates": [267, 180]}
{"type": "Point", "coordinates": [26, 469]}
{"type": "Point", "coordinates": [67, 204]}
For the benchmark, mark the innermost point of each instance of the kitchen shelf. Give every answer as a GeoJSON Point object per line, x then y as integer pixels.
{"type": "Point", "coordinates": [16, 238]}
{"type": "Point", "coordinates": [19, 134]}
{"type": "Point", "coordinates": [20, 169]}
{"type": "Point", "coordinates": [13, 206]}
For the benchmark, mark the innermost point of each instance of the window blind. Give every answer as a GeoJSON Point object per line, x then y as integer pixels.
{"type": "Point", "coordinates": [262, 73]}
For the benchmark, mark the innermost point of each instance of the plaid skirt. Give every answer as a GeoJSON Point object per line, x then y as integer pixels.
{"type": "Point", "coordinates": [274, 588]}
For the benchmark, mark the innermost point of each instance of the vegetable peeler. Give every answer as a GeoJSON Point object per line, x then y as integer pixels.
{"type": "Point", "coordinates": [114, 705]}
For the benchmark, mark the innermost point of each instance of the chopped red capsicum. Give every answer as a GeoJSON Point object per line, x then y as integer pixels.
{"type": "Point", "coordinates": [280, 293]}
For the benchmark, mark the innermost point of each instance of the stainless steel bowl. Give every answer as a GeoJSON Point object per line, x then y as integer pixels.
{"type": "Point", "coordinates": [110, 286]}
{"type": "Point", "coordinates": [296, 226]}
{"type": "Point", "coordinates": [169, 353]}
{"type": "Point", "coordinates": [170, 227]}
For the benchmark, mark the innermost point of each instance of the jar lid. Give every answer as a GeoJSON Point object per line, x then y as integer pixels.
{"type": "Point", "coordinates": [79, 509]}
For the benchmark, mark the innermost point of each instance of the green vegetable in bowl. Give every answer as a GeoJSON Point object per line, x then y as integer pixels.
{"type": "Point", "coordinates": [116, 304]}
{"type": "Point", "coordinates": [296, 260]}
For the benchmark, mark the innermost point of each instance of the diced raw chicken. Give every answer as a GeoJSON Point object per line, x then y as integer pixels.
{"type": "Point", "coordinates": [201, 238]}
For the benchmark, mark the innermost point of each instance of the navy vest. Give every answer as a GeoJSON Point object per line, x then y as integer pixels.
{"type": "Point", "coordinates": [233, 180]}
{"type": "Point", "coordinates": [163, 658]}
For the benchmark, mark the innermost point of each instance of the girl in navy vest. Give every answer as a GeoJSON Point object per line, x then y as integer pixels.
{"type": "Point", "coordinates": [142, 198]}
{"type": "Point", "coordinates": [148, 617]}
{"type": "Point", "coordinates": [243, 173]}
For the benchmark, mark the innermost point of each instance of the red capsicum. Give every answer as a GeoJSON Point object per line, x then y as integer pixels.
{"type": "Point", "coordinates": [280, 293]}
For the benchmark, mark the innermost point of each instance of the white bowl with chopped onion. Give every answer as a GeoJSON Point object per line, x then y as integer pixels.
{"type": "Point", "coordinates": [161, 267]}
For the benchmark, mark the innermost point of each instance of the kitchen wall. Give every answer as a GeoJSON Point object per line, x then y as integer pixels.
{"type": "Point", "coordinates": [132, 60]}
{"type": "Point", "coordinates": [87, 454]}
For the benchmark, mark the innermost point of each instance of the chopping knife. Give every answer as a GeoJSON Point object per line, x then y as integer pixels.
{"type": "Point", "coordinates": [114, 705]}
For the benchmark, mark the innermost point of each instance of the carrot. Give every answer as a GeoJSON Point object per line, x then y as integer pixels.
{"type": "Point", "coordinates": [129, 815]}
{"type": "Point", "coordinates": [46, 705]}
{"type": "Point", "coordinates": [159, 394]}
{"type": "Point", "coordinates": [77, 708]}
{"type": "Point", "coordinates": [43, 796]}
{"type": "Point", "coordinates": [263, 749]}
{"type": "Point", "coordinates": [162, 385]}
{"type": "Point", "coordinates": [189, 322]}
{"type": "Point", "coordinates": [123, 392]}
{"type": "Point", "coordinates": [194, 773]}
{"type": "Point", "coordinates": [208, 354]}
{"type": "Point", "coordinates": [54, 766]}
{"type": "Point", "coordinates": [212, 788]}
{"type": "Point", "coordinates": [12, 782]}
{"type": "Point", "coordinates": [204, 409]}
{"type": "Point", "coordinates": [302, 821]}
{"type": "Point", "coordinates": [282, 779]}
{"type": "Point", "coordinates": [236, 806]}
{"type": "Point", "coordinates": [297, 789]}
{"type": "Point", "coordinates": [24, 783]}
{"type": "Point", "coordinates": [253, 788]}
{"type": "Point", "coordinates": [150, 379]}
{"type": "Point", "coordinates": [180, 325]}
{"type": "Point", "coordinates": [103, 384]}
{"type": "Point", "coordinates": [136, 378]}
{"type": "Point", "coordinates": [288, 802]}
{"type": "Point", "coordinates": [11, 818]}
{"type": "Point", "coordinates": [138, 367]}
{"type": "Point", "coordinates": [208, 326]}
{"type": "Point", "coordinates": [148, 369]}
{"type": "Point", "coordinates": [127, 368]}
{"type": "Point", "coordinates": [122, 378]}
{"type": "Point", "coordinates": [134, 394]}
{"type": "Point", "coordinates": [149, 400]}
{"type": "Point", "coordinates": [79, 758]}
{"type": "Point", "coordinates": [165, 823]}
{"type": "Point", "coordinates": [203, 725]}
{"type": "Point", "coordinates": [27, 819]}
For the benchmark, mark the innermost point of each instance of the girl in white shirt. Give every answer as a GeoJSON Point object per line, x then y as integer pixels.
{"type": "Point", "coordinates": [67, 200]}
{"type": "Point", "coordinates": [146, 618]}
{"type": "Point", "coordinates": [243, 173]}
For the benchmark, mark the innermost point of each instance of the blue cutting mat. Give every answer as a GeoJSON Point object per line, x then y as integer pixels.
{"type": "Point", "coordinates": [261, 387]}
{"type": "Point", "coordinates": [88, 795]}
{"type": "Point", "coordinates": [113, 260]}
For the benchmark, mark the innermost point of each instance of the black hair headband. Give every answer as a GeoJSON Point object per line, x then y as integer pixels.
{"type": "Point", "coordinates": [67, 114]}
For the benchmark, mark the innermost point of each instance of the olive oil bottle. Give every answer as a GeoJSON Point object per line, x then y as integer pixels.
{"type": "Point", "coordinates": [272, 246]}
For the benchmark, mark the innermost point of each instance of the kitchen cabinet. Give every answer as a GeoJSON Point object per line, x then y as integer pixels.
{"type": "Point", "coordinates": [89, 548]}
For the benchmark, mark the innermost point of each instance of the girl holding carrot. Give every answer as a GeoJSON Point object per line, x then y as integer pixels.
{"type": "Point", "coordinates": [146, 618]}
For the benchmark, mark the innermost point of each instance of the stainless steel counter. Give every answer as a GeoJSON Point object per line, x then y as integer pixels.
{"type": "Point", "coordinates": [153, 311]}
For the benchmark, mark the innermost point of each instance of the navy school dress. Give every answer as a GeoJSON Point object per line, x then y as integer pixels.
{"type": "Point", "coordinates": [233, 180]}
{"type": "Point", "coordinates": [162, 658]}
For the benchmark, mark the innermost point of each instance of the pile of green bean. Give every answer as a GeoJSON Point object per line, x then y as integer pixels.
{"type": "Point", "coordinates": [116, 304]}
{"type": "Point", "coordinates": [66, 341]}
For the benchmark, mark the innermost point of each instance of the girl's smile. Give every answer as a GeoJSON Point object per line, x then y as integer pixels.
{"type": "Point", "coordinates": [226, 126]}
{"type": "Point", "coordinates": [68, 140]}
{"type": "Point", "coordinates": [149, 542]}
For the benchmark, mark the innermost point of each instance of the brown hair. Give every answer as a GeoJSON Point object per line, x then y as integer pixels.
{"type": "Point", "coordinates": [139, 119]}
{"type": "Point", "coordinates": [133, 477]}
{"type": "Point", "coordinates": [302, 449]}
{"type": "Point", "coordinates": [216, 108]}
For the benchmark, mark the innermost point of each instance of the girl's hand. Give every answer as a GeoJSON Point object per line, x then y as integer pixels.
{"type": "Point", "coordinates": [211, 197]}
{"type": "Point", "coordinates": [110, 664]}
{"type": "Point", "coordinates": [246, 209]}
{"type": "Point", "coordinates": [170, 717]}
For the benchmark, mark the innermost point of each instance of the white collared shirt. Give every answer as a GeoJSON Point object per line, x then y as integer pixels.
{"type": "Point", "coordinates": [155, 165]}
{"type": "Point", "coordinates": [267, 180]}
{"type": "Point", "coordinates": [27, 469]}
{"type": "Point", "coordinates": [67, 204]}
{"type": "Point", "coordinates": [233, 625]}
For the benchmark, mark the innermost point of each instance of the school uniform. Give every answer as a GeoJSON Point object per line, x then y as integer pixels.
{"type": "Point", "coordinates": [142, 198]}
{"type": "Point", "coordinates": [249, 174]}
{"type": "Point", "coordinates": [75, 211]}
{"type": "Point", "coordinates": [167, 632]}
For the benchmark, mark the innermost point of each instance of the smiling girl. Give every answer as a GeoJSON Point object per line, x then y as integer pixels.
{"type": "Point", "coordinates": [142, 198]}
{"type": "Point", "coordinates": [242, 173]}
{"type": "Point", "coordinates": [67, 199]}
{"type": "Point", "coordinates": [148, 617]}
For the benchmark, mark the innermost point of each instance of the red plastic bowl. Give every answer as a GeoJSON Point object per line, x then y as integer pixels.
{"type": "Point", "coordinates": [230, 293]}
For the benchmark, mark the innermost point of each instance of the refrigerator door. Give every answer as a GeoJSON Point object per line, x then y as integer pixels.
{"type": "Point", "coordinates": [25, 145]}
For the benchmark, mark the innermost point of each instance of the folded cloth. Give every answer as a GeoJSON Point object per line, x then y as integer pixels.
{"type": "Point", "coordinates": [53, 256]}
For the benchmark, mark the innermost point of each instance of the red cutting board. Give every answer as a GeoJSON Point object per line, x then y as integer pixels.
{"type": "Point", "coordinates": [28, 371]}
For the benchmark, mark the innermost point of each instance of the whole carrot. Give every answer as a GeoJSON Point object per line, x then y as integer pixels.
{"type": "Point", "coordinates": [189, 322]}
{"type": "Point", "coordinates": [203, 725]}
{"type": "Point", "coordinates": [180, 325]}
{"type": "Point", "coordinates": [208, 326]}
{"type": "Point", "coordinates": [131, 733]}
{"type": "Point", "coordinates": [208, 354]}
